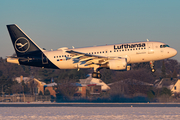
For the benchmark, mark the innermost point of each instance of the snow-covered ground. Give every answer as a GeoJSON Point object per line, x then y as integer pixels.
{"type": "Point", "coordinates": [89, 113]}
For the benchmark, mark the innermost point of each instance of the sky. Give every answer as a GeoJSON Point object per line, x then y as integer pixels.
{"type": "Point", "coordinates": [53, 24]}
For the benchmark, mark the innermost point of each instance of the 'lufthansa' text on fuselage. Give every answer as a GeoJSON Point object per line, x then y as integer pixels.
{"type": "Point", "coordinates": [124, 46]}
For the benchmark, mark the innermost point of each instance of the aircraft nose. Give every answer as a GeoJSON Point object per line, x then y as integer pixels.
{"type": "Point", "coordinates": [173, 52]}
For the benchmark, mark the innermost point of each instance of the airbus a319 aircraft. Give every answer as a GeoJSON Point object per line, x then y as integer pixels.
{"type": "Point", "coordinates": [114, 57]}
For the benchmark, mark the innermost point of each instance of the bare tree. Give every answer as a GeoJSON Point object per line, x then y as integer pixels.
{"type": "Point", "coordinates": [66, 89]}
{"type": "Point", "coordinates": [32, 85]}
{"type": "Point", "coordinates": [17, 88]}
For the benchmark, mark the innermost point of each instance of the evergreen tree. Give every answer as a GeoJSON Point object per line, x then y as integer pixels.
{"type": "Point", "coordinates": [174, 75]}
{"type": "Point", "coordinates": [25, 88]}
{"type": "Point", "coordinates": [163, 70]}
{"type": "Point", "coordinates": [106, 75]}
{"type": "Point", "coordinates": [1, 73]}
{"type": "Point", "coordinates": [46, 92]}
{"type": "Point", "coordinates": [40, 93]}
{"type": "Point", "coordinates": [166, 91]}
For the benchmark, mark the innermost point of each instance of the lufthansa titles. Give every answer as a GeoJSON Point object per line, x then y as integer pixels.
{"type": "Point", "coordinates": [124, 46]}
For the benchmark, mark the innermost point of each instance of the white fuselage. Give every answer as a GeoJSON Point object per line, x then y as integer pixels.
{"type": "Point", "coordinates": [133, 52]}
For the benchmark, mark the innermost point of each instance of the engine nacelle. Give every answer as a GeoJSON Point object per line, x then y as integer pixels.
{"type": "Point", "coordinates": [118, 64]}
{"type": "Point", "coordinates": [12, 60]}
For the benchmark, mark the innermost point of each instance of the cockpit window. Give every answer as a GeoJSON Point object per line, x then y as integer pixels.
{"type": "Point", "coordinates": [163, 46]}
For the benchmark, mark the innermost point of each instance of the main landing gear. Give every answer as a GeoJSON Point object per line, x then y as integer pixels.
{"type": "Point", "coordinates": [152, 66]}
{"type": "Point", "coordinates": [96, 73]}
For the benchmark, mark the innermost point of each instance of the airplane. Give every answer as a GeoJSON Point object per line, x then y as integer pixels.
{"type": "Point", "coordinates": [114, 57]}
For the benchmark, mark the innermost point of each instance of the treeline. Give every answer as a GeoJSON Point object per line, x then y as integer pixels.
{"type": "Point", "coordinates": [139, 71]}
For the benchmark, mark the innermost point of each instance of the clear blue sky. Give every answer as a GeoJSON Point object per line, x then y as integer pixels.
{"type": "Point", "coordinates": [64, 23]}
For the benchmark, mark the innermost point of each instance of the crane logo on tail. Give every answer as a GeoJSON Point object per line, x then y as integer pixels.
{"type": "Point", "coordinates": [22, 44]}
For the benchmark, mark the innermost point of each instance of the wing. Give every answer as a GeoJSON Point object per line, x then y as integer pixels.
{"type": "Point", "coordinates": [89, 59]}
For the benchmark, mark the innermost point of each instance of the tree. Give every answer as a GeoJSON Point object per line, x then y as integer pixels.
{"type": "Point", "coordinates": [138, 74]}
{"type": "Point", "coordinates": [46, 92]}
{"type": "Point", "coordinates": [151, 94]}
{"type": "Point", "coordinates": [66, 90]}
{"type": "Point", "coordinates": [1, 73]}
{"type": "Point", "coordinates": [174, 75]}
{"type": "Point", "coordinates": [119, 88]}
{"type": "Point", "coordinates": [165, 91]}
{"type": "Point", "coordinates": [17, 88]}
{"type": "Point", "coordinates": [163, 70]}
{"type": "Point", "coordinates": [40, 93]}
{"type": "Point", "coordinates": [106, 75]}
{"type": "Point", "coordinates": [25, 88]}
{"type": "Point", "coordinates": [32, 85]}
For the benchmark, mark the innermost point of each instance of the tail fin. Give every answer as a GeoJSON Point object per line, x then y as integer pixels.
{"type": "Point", "coordinates": [22, 43]}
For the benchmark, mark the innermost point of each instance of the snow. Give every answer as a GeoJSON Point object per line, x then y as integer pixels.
{"type": "Point", "coordinates": [89, 113]}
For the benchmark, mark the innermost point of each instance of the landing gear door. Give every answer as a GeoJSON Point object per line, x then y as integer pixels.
{"type": "Point", "coordinates": [150, 48]}
{"type": "Point", "coordinates": [44, 59]}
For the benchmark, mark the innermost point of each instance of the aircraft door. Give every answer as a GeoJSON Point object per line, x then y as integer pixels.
{"type": "Point", "coordinates": [44, 59]}
{"type": "Point", "coordinates": [150, 48]}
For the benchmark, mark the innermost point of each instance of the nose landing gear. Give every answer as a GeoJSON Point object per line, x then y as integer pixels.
{"type": "Point", "coordinates": [152, 66]}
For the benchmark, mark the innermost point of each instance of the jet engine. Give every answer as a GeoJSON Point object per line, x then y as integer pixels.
{"type": "Point", "coordinates": [118, 64]}
{"type": "Point", "coordinates": [12, 60]}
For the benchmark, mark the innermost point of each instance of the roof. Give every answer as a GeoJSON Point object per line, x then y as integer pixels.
{"type": "Point", "coordinates": [50, 84]}
{"type": "Point", "coordinates": [94, 81]}
{"type": "Point", "coordinates": [26, 79]}
{"type": "Point", "coordinates": [166, 82]}
{"type": "Point", "coordinates": [79, 85]}
{"type": "Point", "coordinates": [132, 82]}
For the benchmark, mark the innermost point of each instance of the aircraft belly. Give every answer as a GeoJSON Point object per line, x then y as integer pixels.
{"type": "Point", "coordinates": [66, 64]}
{"type": "Point", "coordinates": [146, 57]}
{"type": "Point", "coordinates": [136, 58]}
